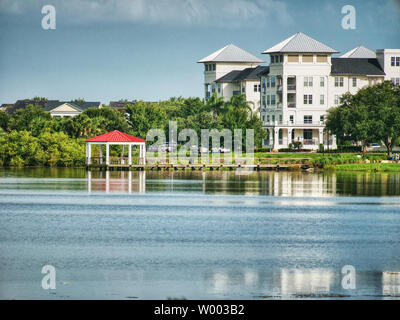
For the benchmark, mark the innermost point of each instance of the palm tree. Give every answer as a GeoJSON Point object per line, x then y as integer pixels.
{"type": "Point", "coordinates": [216, 105]}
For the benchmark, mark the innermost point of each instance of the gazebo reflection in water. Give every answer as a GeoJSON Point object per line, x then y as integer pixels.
{"type": "Point", "coordinates": [116, 181]}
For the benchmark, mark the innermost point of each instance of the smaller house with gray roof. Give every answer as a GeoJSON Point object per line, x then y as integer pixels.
{"type": "Point", "coordinates": [67, 109]}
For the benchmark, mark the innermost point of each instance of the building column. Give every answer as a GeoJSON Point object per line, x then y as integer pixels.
{"type": "Point", "coordinates": [129, 154]}
{"type": "Point", "coordinates": [289, 133]}
{"type": "Point", "coordinates": [107, 154]}
{"type": "Point", "coordinates": [276, 138]}
{"type": "Point", "coordinates": [321, 136]}
{"type": "Point", "coordinates": [284, 91]}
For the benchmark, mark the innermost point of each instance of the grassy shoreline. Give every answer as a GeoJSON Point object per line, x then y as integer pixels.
{"type": "Point", "coordinates": [366, 167]}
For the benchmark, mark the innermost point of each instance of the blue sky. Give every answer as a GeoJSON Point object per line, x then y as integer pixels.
{"type": "Point", "coordinates": [147, 49]}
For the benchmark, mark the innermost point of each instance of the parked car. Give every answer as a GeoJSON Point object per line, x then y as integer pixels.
{"type": "Point", "coordinates": [220, 149]}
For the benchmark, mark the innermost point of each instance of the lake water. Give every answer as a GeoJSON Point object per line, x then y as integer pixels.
{"type": "Point", "coordinates": [199, 235]}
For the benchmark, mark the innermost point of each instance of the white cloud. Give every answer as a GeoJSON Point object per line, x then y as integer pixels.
{"type": "Point", "coordinates": [223, 13]}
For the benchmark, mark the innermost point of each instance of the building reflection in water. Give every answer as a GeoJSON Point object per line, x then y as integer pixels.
{"type": "Point", "coordinates": [306, 282]}
{"type": "Point", "coordinates": [301, 283]}
{"type": "Point", "coordinates": [116, 181]}
{"type": "Point", "coordinates": [391, 283]}
{"type": "Point", "coordinates": [301, 184]}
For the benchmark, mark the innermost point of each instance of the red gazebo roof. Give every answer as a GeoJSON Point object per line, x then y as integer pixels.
{"type": "Point", "coordinates": [115, 136]}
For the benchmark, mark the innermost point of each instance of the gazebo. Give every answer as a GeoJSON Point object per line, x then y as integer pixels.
{"type": "Point", "coordinates": [115, 138]}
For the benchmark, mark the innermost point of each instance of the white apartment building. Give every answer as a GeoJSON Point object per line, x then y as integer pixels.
{"type": "Point", "coordinates": [301, 83]}
{"type": "Point", "coordinates": [230, 71]}
{"type": "Point", "coordinates": [389, 59]}
{"type": "Point", "coordinates": [304, 81]}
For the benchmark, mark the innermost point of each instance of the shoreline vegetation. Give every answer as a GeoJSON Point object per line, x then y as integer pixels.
{"type": "Point", "coordinates": [30, 137]}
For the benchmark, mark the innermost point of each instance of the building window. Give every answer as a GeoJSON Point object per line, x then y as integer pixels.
{"type": "Point", "coordinates": [272, 59]}
{"type": "Point", "coordinates": [206, 66]}
{"type": "Point", "coordinates": [293, 58]}
{"type": "Point", "coordinates": [322, 82]}
{"type": "Point", "coordinates": [395, 61]}
{"type": "Point", "coordinates": [338, 81]}
{"type": "Point", "coordinates": [308, 99]}
{"type": "Point", "coordinates": [268, 100]}
{"type": "Point", "coordinates": [322, 58]}
{"type": "Point", "coordinates": [213, 87]}
{"type": "Point", "coordinates": [263, 101]}
{"type": "Point", "coordinates": [255, 88]}
{"type": "Point", "coordinates": [307, 58]}
{"type": "Point", "coordinates": [268, 82]}
{"type": "Point", "coordinates": [273, 118]}
{"type": "Point", "coordinates": [307, 119]}
{"type": "Point", "coordinates": [321, 118]}
{"type": "Point", "coordinates": [213, 67]}
{"type": "Point", "coordinates": [280, 118]}
{"type": "Point", "coordinates": [272, 82]}
{"type": "Point", "coordinates": [354, 82]}
{"type": "Point", "coordinates": [263, 118]}
{"type": "Point", "coordinates": [308, 81]}
{"type": "Point", "coordinates": [273, 100]}
{"type": "Point", "coordinates": [219, 88]}
{"type": "Point", "coordinates": [336, 99]}
{"type": "Point", "coordinates": [307, 133]}
{"type": "Point", "coordinates": [281, 58]}
{"type": "Point", "coordinates": [268, 118]}
{"type": "Point", "coordinates": [321, 99]}
{"type": "Point", "coordinates": [291, 119]}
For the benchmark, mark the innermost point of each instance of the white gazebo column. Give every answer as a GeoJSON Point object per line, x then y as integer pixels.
{"type": "Point", "coordinates": [123, 154]}
{"type": "Point", "coordinates": [144, 153]}
{"type": "Point", "coordinates": [140, 153]}
{"type": "Point", "coordinates": [289, 137]}
{"type": "Point", "coordinates": [129, 154]}
{"type": "Point", "coordinates": [88, 152]}
{"type": "Point", "coordinates": [107, 154]}
{"type": "Point", "coordinates": [100, 153]}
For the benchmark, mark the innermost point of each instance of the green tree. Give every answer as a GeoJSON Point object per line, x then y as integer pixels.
{"type": "Point", "coordinates": [372, 114]}
{"type": "Point", "coordinates": [33, 118]}
{"type": "Point", "coordinates": [144, 116]}
{"type": "Point", "coordinates": [5, 121]}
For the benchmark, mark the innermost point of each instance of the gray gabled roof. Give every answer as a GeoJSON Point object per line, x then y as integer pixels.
{"type": "Point", "coordinates": [231, 53]}
{"type": "Point", "coordinates": [356, 66]}
{"type": "Point", "coordinates": [247, 74]}
{"type": "Point", "coordinates": [359, 52]}
{"type": "Point", "coordinates": [300, 42]}
{"type": "Point", "coordinates": [82, 106]}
